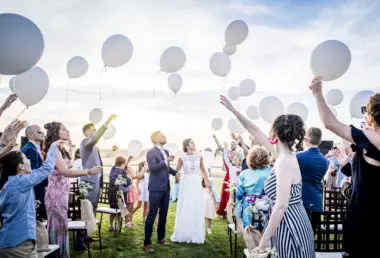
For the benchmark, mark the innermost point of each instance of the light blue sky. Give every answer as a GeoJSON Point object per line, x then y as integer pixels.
{"type": "Point", "coordinates": [275, 55]}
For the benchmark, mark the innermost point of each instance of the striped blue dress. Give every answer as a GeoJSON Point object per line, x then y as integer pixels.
{"type": "Point", "coordinates": [294, 237]}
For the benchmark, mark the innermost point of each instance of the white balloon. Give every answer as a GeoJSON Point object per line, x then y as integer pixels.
{"type": "Point", "coordinates": [229, 50]}
{"type": "Point", "coordinates": [233, 93]}
{"type": "Point", "coordinates": [96, 115]}
{"type": "Point", "coordinates": [171, 148]}
{"type": "Point", "coordinates": [21, 44]}
{"type": "Point", "coordinates": [76, 67]}
{"type": "Point", "coordinates": [134, 148]}
{"type": "Point", "coordinates": [253, 112]}
{"type": "Point", "coordinates": [175, 82]}
{"type": "Point", "coordinates": [208, 159]}
{"type": "Point", "coordinates": [247, 87]}
{"type": "Point", "coordinates": [235, 126]}
{"type": "Point", "coordinates": [217, 124]}
{"type": "Point", "coordinates": [270, 108]}
{"type": "Point", "coordinates": [333, 110]}
{"type": "Point", "coordinates": [330, 60]}
{"type": "Point", "coordinates": [220, 64]}
{"type": "Point", "coordinates": [334, 97]}
{"type": "Point", "coordinates": [299, 109]}
{"type": "Point", "coordinates": [32, 86]}
{"type": "Point", "coordinates": [12, 84]}
{"type": "Point", "coordinates": [359, 100]}
{"type": "Point", "coordinates": [110, 133]}
{"type": "Point", "coordinates": [236, 33]}
{"type": "Point", "coordinates": [117, 50]}
{"type": "Point", "coordinates": [172, 60]}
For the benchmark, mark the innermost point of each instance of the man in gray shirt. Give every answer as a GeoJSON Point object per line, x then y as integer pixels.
{"type": "Point", "coordinates": [91, 158]}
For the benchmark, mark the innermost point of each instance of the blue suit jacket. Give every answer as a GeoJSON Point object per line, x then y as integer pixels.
{"type": "Point", "coordinates": [313, 167]}
{"type": "Point", "coordinates": [36, 161]}
{"type": "Point", "coordinates": [159, 171]}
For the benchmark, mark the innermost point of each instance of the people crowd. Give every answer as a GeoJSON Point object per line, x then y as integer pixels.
{"type": "Point", "coordinates": [283, 168]}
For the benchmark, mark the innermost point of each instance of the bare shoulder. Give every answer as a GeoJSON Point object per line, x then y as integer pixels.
{"type": "Point", "coordinates": [287, 163]}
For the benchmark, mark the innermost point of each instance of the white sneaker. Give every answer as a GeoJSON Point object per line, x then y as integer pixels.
{"type": "Point", "coordinates": [209, 231]}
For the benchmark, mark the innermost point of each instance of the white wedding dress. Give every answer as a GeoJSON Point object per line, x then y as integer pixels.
{"type": "Point", "coordinates": [190, 218]}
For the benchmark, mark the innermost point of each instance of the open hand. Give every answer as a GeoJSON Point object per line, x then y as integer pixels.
{"type": "Point", "coordinates": [227, 103]}
{"type": "Point", "coordinates": [8, 102]}
{"type": "Point", "coordinates": [316, 86]}
{"type": "Point", "coordinates": [58, 143]}
{"type": "Point", "coordinates": [95, 170]}
{"type": "Point", "coordinates": [171, 158]}
{"type": "Point", "coordinates": [111, 118]}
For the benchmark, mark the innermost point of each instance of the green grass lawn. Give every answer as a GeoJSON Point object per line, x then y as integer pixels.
{"type": "Point", "coordinates": [130, 242]}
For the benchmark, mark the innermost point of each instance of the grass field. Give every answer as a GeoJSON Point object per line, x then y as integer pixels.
{"type": "Point", "coordinates": [130, 242]}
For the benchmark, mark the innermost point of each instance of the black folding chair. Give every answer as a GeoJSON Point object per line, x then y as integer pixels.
{"type": "Point", "coordinates": [328, 230]}
{"type": "Point", "coordinates": [107, 210]}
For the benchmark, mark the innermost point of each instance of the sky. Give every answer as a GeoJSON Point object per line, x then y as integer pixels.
{"type": "Point", "coordinates": [276, 55]}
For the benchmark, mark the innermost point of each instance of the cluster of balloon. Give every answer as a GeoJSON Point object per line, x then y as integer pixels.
{"type": "Point", "coordinates": [76, 67]}
{"type": "Point", "coordinates": [270, 108]}
{"type": "Point", "coordinates": [110, 133]}
{"type": "Point", "coordinates": [134, 148]}
{"type": "Point", "coordinates": [96, 115]}
{"type": "Point", "coordinates": [330, 60]}
{"type": "Point", "coordinates": [172, 60]}
{"type": "Point", "coordinates": [217, 124]}
{"type": "Point", "coordinates": [116, 51]}
{"type": "Point", "coordinates": [299, 109]}
{"type": "Point", "coordinates": [359, 100]}
{"type": "Point", "coordinates": [253, 112]}
{"type": "Point", "coordinates": [235, 126]}
{"type": "Point", "coordinates": [172, 148]}
{"type": "Point", "coordinates": [235, 34]}
{"type": "Point", "coordinates": [21, 47]}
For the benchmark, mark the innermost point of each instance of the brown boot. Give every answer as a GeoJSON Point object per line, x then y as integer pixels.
{"type": "Point", "coordinates": [148, 249]}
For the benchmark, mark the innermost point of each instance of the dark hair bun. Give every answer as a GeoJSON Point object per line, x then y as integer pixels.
{"type": "Point", "coordinates": [48, 126]}
{"type": "Point", "coordinates": [290, 130]}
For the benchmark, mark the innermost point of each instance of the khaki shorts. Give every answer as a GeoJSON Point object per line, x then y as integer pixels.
{"type": "Point", "coordinates": [26, 249]}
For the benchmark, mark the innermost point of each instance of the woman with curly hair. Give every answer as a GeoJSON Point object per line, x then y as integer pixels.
{"type": "Point", "coordinates": [251, 183]}
{"type": "Point", "coordinates": [289, 229]}
{"type": "Point", "coordinates": [57, 192]}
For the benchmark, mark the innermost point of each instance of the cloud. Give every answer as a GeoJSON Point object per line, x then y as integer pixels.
{"type": "Point", "coordinates": [276, 55]}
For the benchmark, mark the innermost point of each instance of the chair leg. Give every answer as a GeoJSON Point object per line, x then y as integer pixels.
{"type": "Point", "coordinates": [116, 221]}
{"type": "Point", "coordinates": [235, 245]}
{"type": "Point", "coordinates": [230, 238]}
{"type": "Point", "coordinates": [100, 236]}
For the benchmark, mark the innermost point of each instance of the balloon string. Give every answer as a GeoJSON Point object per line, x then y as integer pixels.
{"type": "Point", "coordinates": [26, 107]}
{"type": "Point", "coordinates": [154, 91]}
{"type": "Point", "coordinates": [103, 69]}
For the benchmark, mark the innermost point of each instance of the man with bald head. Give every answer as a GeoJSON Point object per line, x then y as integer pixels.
{"type": "Point", "coordinates": [32, 151]}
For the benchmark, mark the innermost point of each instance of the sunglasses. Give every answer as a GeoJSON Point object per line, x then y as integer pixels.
{"type": "Point", "coordinates": [364, 110]}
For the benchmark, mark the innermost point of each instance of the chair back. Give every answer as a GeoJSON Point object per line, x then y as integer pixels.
{"type": "Point", "coordinates": [334, 200]}
{"type": "Point", "coordinates": [328, 230]}
{"type": "Point", "coordinates": [74, 211]}
{"type": "Point", "coordinates": [103, 199]}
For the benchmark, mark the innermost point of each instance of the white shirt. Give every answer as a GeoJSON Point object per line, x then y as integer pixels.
{"type": "Point", "coordinates": [163, 153]}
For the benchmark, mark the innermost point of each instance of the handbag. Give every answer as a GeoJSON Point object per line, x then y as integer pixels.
{"type": "Point", "coordinates": [252, 237]}
{"type": "Point", "coordinates": [42, 237]}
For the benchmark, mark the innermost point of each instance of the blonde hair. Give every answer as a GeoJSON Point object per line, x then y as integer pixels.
{"type": "Point", "coordinates": [153, 136]}
{"type": "Point", "coordinates": [258, 158]}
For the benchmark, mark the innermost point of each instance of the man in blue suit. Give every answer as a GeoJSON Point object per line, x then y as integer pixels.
{"type": "Point", "coordinates": [32, 151]}
{"type": "Point", "coordinates": [159, 190]}
{"type": "Point", "coordinates": [313, 167]}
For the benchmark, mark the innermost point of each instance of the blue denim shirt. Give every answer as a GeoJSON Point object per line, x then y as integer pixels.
{"type": "Point", "coordinates": [17, 203]}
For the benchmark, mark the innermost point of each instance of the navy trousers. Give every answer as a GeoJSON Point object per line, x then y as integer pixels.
{"type": "Point", "coordinates": [157, 200]}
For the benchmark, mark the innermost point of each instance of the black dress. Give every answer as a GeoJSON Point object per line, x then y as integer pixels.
{"type": "Point", "coordinates": [362, 223]}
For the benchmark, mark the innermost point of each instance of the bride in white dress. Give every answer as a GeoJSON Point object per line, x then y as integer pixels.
{"type": "Point", "coordinates": [190, 217]}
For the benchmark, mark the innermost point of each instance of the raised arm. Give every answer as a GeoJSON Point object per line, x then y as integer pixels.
{"type": "Point", "coordinates": [327, 117]}
{"type": "Point", "coordinates": [154, 163]}
{"type": "Point", "coordinates": [283, 187]}
{"type": "Point", "coordinates": [251, 127]}
{"type": "Point", "coordinates": [243, 145]}
{"type": "Point", "coordinates": [7, 103]}
{"type": "Point", "coordinates": [40, 174]}
{"type": "Point", "coordinates": [218, 144]}
{"type": "Point", "coordinates": [61, 167]}
{"type": "Point", "coordinates": [94, 140]}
